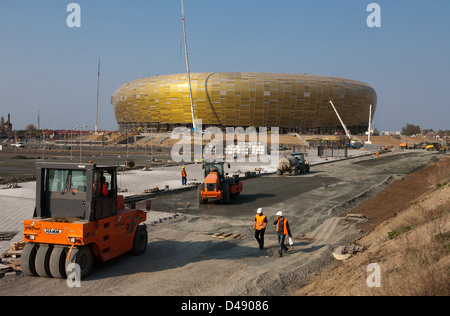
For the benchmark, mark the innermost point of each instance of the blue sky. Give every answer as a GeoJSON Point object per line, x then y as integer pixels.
{"type": "Point", "coordinates": [47, 66]}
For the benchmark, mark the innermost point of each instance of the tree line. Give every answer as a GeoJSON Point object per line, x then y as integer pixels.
{"type": "Point", "coordinates": [411, 129]}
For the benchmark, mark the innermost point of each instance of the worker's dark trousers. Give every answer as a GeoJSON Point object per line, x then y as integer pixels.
{"type": "Point", "coordinates": [183, 180]}
{"type": "Point", "coordinates": [259, 235]}
{"type": "Point", "coordinates": [282, 245]}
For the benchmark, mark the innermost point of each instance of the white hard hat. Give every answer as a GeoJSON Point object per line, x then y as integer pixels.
{"type": "Point", "coordinates": [279, 213]}
{"type": "Point", "coordinates": [259, 211]}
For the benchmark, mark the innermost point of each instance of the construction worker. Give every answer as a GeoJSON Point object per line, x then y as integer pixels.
{"type": "Point", "coordinates": [104, 186]}
{"type": "Point", "coordinates": [282, 230]}
{"type": "Point", "coordinates": [183, 176]}
{"type": "Point", "coordinates": [259, 226]}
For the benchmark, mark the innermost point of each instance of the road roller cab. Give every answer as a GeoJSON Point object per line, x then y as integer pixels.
{"type": "Point", "coordinates": [217, 186]}
{"type": "Point", "coordinates": [78, 218]}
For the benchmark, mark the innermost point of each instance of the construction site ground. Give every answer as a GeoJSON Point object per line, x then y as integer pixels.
{"type": "Point", "coordinates": [185, 255]}
{"type": "Point", "coordinates": [412, 248]}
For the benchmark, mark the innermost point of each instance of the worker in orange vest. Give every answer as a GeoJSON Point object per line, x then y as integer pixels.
{"type": "Point", "coordinates": [183, 176]}
{"type": "Point", "coordinates": [259, 226]}
{"type": "Point", "coordinates": [104, 186]}
{"type": "Point", "coordinates": [282, 230]}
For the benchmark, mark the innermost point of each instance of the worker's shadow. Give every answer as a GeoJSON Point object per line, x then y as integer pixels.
{"type": "Point", "coordinates": [298, 247]}
{"type": "Point", "coordinates": [312, 248]}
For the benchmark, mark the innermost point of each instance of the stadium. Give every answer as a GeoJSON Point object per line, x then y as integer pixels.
{"type": "Point", "coordinates": [292, 102]}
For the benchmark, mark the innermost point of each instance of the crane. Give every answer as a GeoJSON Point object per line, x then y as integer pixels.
{"type": "Point", "coordinates": [353, 143]}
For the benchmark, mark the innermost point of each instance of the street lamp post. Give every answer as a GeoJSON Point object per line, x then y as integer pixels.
{"type": "Point", "coordinates": [194, 127]}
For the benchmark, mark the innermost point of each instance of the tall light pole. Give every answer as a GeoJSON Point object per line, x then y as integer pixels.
{"type": "Point", "coordinates": [96, 112]}
{"type": "Point", "coordinates": [370, 121]}
{"type": "Point", "coordinates": [187, 66]}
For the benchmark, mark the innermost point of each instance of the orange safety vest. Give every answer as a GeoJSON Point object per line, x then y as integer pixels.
{"type": "Point", "coordinates": [285, 228]}
{"type": "Point", "coordinates": [105, 189]}
{"type": "Point", "coordinates": [260, 222]}
{"type": "Point", "coordinates": [183, 173]}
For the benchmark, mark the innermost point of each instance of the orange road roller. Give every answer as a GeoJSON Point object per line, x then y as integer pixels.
{"type": "Point", "coordinates": [79, 218]}
{"type": "Point", "coordinates": [216, 186]}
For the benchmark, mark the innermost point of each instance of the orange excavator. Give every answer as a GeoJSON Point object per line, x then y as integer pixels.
{"type": "Point", "coordinates": [79, 218]}
{"type": "Point", "coordinates": [217, 186]}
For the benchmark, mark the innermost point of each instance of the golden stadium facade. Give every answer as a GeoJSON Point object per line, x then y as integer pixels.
{"type": "Point", "coordinates": [292, 102]}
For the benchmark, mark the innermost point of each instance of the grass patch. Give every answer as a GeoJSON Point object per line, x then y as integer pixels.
{"type": "Point", "coordinates": [394, 233]}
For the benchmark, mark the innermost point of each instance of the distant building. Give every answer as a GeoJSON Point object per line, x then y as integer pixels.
{"type": "Point", "coordinates": [7, 126]}
{"type": "Point", "coordinates": [390, 133]}
{"type": "Point", "coordinates": [292, 102]}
